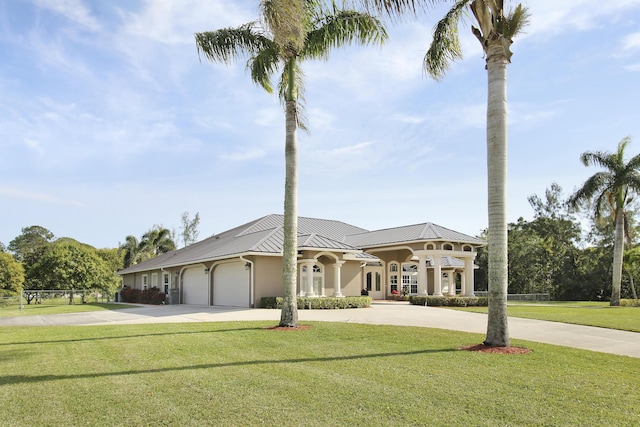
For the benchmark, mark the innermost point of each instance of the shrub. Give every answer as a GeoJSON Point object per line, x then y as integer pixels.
{"type": "Point", "coordinates": [320, 303]}
{"type": "Point", "coordinates": [130, 295]}
{"type": "Point", "coordinates": [446, 301]}
{"type": "Point", "coordinates": [147, 296]}
{"type": "Point", "coordinates": [630, 303]}
{"type": "Point", "coordinates": [152, 296]}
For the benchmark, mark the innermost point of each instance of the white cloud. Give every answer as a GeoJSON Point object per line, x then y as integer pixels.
{"type": "Point", "coordinates": [39, 197]}
{"type": "Point", "coordinates": [552, 17]}
{"type": "Point", "coordinates": [633, 67]}
{"type": "Point", "coordinates": [631, 41]}
{"type": "Point", "coordinates": [73, 10]}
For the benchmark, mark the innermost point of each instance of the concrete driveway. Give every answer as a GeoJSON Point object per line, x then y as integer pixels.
{"type": "Point", "coordinates": [380, 313]}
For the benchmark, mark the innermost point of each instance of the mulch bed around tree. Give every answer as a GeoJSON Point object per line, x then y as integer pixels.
{"type": "Point", "coordinates": [497, 350]}
{"type": "Point", "coordinates": [284, 328]}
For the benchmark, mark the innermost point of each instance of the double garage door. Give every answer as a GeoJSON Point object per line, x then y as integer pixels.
{"type": "Point", "coordinates": [230, 285]}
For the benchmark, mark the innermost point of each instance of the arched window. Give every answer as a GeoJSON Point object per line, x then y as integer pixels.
{"type": "Point", "coordinates": [447, 247]}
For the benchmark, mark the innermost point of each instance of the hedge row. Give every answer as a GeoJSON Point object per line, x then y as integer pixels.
{"type": "Point", "coordinates": [147, 296]}
{"type": "Point", "coordinates": [324, 303]}
{"type": "Point", "coordinates": [449, 301]}
{"type": "Point", "coordinates": [630, 303]}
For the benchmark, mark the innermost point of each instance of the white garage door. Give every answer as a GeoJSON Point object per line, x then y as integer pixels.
{"type": "Point", "coordinates": [194, 286]}
{"type": "Point", "coordinates": [231, 285]}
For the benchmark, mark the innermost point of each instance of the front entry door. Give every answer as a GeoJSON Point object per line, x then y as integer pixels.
{"type": "Point", "coordinates": [373, 282]}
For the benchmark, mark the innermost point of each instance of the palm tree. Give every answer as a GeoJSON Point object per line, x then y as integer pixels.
{"type": "Point", "coordinates": [156, 241]}
{"type": "Point", "coordinates": [495, 31]}
{"type": "Point", "coordinates": [290, 32]}
{"type": "Point", "coordinates": [131, 248]}
{"type": "Point", "coordinates": [611, 190]}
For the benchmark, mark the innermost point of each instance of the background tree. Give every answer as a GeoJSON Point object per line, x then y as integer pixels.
{"type": "Point", "coordinates": [130, 250]}
{"type": "Point", "coordinates": [496, 30]}
{"type": "Point", "coordinates": [68, 264]}
{"type": "Point", "coordinates": [28, 248]}
{"type": "Point", "coordinates": [156, 241]}
{"type": "Point", "coordinates": [611, 189]}
{"type": "Point", "coordinates": [30, 242]}
{"type": "Point", "coordinates": [11, 275]}
{"type": "Point", "coordinates": [190, 230]}
{"type": "Point", "coordinates": [290, 31]}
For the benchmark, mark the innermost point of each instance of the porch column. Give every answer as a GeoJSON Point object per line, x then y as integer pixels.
{"type": "Point", "coordinates": [452, 283]}
{"type": "Point", "coordinates": [422, 273]}
{"type": "Point", "coordinates": [336, 278]}
{"type": "Point", "coordinates": [468, 273]}
{"type": "Point", "coordinates": [309, 264]}
{"type": "Point", "coordinates": [463, 288]}
{"type": "Point", "coordinates": [437, 275]}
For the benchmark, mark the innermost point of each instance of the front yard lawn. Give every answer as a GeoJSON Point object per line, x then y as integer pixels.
{"type": "Point", "coordinates": [242, 373]}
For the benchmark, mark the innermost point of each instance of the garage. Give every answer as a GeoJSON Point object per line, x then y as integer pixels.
{"type": "Point", "coordinates": [194, 286]}
{"type": "Point", "coordinates": [231, 285]}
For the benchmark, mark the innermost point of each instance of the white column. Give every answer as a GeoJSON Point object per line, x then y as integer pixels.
{"type": "Point", "coordinates": [452, 283]}
{"type": "Point", "coordinates": [422, 273]}
{"type": "Point", "coordinates": [310, 264]}
{"type": "Point", "coordinates": [437, 275]}
{"type": "Point", "coordinates": [336, 278]}
{"type": "Point", "coordinates": [468, 273]}
{"type": "Point", "coordinates": [463, 288]}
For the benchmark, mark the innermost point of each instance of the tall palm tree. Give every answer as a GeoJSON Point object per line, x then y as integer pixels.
{"type": "Point", "coordinates": [290, 31]}
{"type": "Point", "coordinates": [612, 191]}
{"type": "Point", "coordinates": [495, 31]}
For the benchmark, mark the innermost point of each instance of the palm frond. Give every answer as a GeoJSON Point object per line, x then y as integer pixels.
{"type": "Point", "coordinates": [262, 66]}
{"type": "Point", "coordinates": [340, 28]}
{"type": "Point", "coordinates": [396, 8]}
{"type": "Point", "coordinates": [594, 184]}
{"type": "Point", "coordinates": [515, 22]}
{"type": "Point", "coordinates": [229, 44]}
{"type": "Point", "coordinates": [445, 46]}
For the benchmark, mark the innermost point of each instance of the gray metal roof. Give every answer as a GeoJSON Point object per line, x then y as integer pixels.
{"type": "Point", "coordinates": [266, 235]}
{"type": "Point", "coordinates": [410, 233]}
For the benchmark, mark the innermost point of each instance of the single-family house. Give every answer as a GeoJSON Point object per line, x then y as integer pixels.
{"type": "Point", "coordinates": [241, 266]}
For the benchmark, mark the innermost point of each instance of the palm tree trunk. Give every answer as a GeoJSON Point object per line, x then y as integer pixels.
{"type": "Point", "coordinates": [497, 325]}
{"type": "Point", "coordinates": [618, 253]}
{"type": "Point", "coordinates": [289, 314]}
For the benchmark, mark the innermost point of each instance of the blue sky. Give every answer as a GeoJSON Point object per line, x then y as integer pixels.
{"type": "Point", "coordinates": [110, 122]}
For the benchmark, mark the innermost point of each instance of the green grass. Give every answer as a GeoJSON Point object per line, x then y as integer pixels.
{"type": "Point", "coordinates": [330, 375]}
{"type": "Point", "coordinates": [58, 307]}
{"type": "Point", "coordinates": [576, 312]}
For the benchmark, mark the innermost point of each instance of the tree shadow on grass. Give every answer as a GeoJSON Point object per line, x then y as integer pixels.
{"type": "Point", "coordinates": [117, 337]}
{"type": "Point", "coordinates": [18, 379]}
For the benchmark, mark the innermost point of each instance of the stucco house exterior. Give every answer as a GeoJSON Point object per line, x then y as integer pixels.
{"type": "Point", "coordinates": [241, 266]}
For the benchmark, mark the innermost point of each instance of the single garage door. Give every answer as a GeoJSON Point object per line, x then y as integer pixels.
{"type": "Point", "coordinates": [194, 286]}
{"type": "Point", "coordinates": [231, 285]}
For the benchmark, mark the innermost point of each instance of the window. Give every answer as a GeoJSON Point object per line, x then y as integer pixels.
{"type": "Point", "coordinates": [145, 280]}
{"type": "Point", "coordinates": [447, 247]}
{"type": "Point", "coordinates": [318, 280]}
{"type": "Point", "coordinates": [410, 278]}
{"type": "Point", "coordinates": [166, 278]}
{"type": "Point", "coordinates": [393, 278]}
{"type": "Point", "coordinates": [154, 280]}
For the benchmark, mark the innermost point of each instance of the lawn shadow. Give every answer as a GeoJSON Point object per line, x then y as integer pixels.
{"type": "Point", "coordinates": [18, 379]}
{"type": "Point", "coordinates": [103, 338]}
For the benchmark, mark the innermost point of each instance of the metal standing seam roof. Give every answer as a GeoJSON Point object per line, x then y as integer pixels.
{"type": "Point", "coordinates": [410, 233]}
{"type": "Point", "coordinates": [266, 235]}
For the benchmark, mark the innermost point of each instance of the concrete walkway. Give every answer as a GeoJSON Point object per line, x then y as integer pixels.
{"type": "Point", "coordinates": [380, 313]}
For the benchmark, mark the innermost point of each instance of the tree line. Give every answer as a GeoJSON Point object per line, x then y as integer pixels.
{"type": "Point", "coordinates": [37, 260]}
